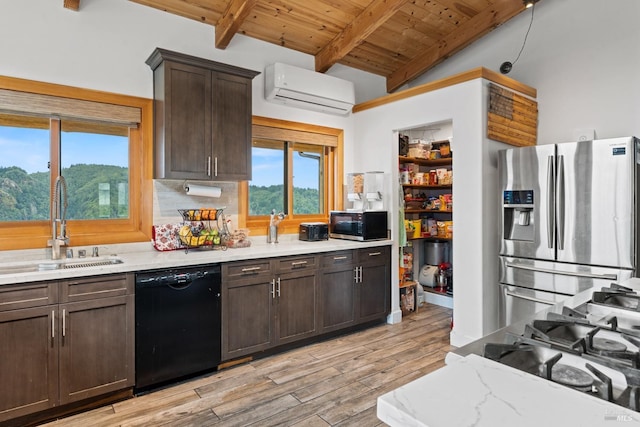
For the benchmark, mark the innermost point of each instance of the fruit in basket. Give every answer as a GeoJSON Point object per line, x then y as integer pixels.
{"type": "Point", "coordinates": [193, 215]}
{"type": "Point", "coordinates": [191, 235]}
{"type": "Point", "coordinates": [208, 214]}
{"type": "Point", "coordinates": [185, 234]}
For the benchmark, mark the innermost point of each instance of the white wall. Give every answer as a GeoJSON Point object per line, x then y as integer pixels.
{"type": "Point", "coordinates": [104, 47]}
{"type": "Point", "coordinates": [475, 299]}
{"type": "Point", "coordinates": [582, 56]}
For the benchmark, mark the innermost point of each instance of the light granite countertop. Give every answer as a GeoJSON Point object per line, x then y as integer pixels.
{"type": "Point", "coordinates": [142, 256]}
{"type": "Point", "coordinates": [474, 391]}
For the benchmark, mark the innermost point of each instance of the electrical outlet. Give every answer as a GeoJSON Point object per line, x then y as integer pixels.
{"type": "Point", "coordinates": [584, 134]}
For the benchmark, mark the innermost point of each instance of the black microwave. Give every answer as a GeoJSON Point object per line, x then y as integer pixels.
{"type": "Point", "coordinates": [367, 225]}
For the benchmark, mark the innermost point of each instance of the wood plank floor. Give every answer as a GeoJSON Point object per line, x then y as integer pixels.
{"type": "Point", "coordinates": [331, 383]}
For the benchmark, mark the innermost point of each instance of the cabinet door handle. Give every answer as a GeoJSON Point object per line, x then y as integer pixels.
{"type": "Point", "coordinates": [278, 288]}
{"type": "Point", "coordinates": [336, 258]}
{"type": "Point", "coordinates": [297, 263]}
{"type": "Point", "coordinates": [53, 324]}
{"type": "Point", "coordinates": [64, 322]}
{"type": "Point", "coordinates": [273, 288]}
{"type": "Point", "coordinates": [215, 166]}
{"type": "Point", "coordinates": [209, 166]}
{"type": "Point", "coordinates": [360, 274]}
{"type": "Point", "coordinates": [249, 269]}
{"type": "Point", "coordinates": [355, 274]}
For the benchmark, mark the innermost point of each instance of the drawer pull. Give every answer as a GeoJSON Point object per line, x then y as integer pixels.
{"type": "Point", "coordinates": [336, 258]}
{"type": "Point", "coordinates": [375, 253]}
{"type": "Point", "coordinates": [528, 298]}
{"type": "Point", "coordinates": [297, 263]}
{"type": "Point", "coordinates": [249, 269]}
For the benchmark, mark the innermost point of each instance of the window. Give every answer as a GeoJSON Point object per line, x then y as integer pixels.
{"type": "Point", "coordinates": [24, 175]}
{"type": "Point", "coordinates": [276, 163]}
{"type": "Point", "coordinates": [295, 170]}
{"type": "Point", "coordinates": [94, 161]}
{"type": "Point", "coordinates": [96, 142]}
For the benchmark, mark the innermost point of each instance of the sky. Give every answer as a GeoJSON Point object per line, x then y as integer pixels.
{"type": "Point", "coordinates": [29, 149]}
{"type": "Point", "coordinates": [268, 165]}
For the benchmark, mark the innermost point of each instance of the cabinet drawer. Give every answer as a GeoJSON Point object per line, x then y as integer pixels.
{"type": "Point", "coordinates": [296, 263]}
{"type": "Point", "coordinates": [96, 287]}
{"type": "Point", "coordinates": [376, 255]}
{"type": "Point", "coordinates": [338, 258]}
{"type": "Point", "coordinates": [14, 297]}
{"type": "Point", "coordinates": [244, 269]}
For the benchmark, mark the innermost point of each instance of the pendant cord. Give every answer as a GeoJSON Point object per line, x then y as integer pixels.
{"type": "Point", "coordinates": [526, 35]}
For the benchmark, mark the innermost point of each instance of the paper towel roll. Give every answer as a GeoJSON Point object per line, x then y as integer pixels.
{"type": "Point", "coordinates": [202, 190]}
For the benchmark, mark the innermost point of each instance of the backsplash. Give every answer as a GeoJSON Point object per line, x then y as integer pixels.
{"type": "Point", "coordinates": [169, 196]}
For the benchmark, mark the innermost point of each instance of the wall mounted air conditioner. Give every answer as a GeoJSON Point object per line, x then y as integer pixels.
{"type": "Point", "coordinates": [298, 87]}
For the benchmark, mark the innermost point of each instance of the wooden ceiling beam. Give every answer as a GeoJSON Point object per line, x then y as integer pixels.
{"type": "Point", "coordinates": [72, 4]}
{"type": "Point", "coordinates": [481, 24]}
{"type": "Point", "coordinates": [231, 20]}
{"type": "Point", "coordinates": [372, 17]}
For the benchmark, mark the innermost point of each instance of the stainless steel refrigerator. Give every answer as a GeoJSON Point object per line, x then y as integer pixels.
{"type": "Point", "coordinates": [569, 221]}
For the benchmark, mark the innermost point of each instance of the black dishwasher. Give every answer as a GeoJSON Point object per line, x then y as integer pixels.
{"type": "Point", "coordinates": [177, 324]}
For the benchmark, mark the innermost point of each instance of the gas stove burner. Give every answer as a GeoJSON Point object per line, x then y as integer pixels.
{"type": "Point", "coordinates": [614, 287]}
{"type": "Point", "coordinates": [604, 344]}
{"type": "Point", "coordinates": [617, 299]}
{"type": "Point", "coordinates": [571, 377]}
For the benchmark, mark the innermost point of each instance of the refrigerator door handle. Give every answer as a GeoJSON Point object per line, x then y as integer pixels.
{"type": "Point", "coordinates": [541, 301]}
{"type": "Point", "coordinates": [550, 201]}
{"type": "Point", "coordinates": [560, 202]}
{"type": "Point", "coordinates": [562, 272]}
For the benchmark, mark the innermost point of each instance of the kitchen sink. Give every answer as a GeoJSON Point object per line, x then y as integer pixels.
{"type": "Point", "coordinates": [47, 265]}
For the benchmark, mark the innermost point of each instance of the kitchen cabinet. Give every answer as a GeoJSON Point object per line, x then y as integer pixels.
{"type": "Point", "coordinates": [247, 308]}
{"type": "Point", "coordinates": [296, 292]}
{"type": "Point", "coordinates": [374, 266]}
{"type": "Point", "coordinates": [202, 118]}
{"type": "Point", "coordinates": [69, 340]}
{"type": "Point", "coordinates": [266, 303]}
{"type": "Point", "coordinates": [337, 290]}
{"type": "Point", "coordinates": [354, 287]}
{"type": "Point", "coordinates": [97, 336]}
{"type": "Point", "coordinates": [29, 364]}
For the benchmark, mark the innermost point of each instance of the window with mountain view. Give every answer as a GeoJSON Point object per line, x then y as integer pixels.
{"type": "Point", "coordinates": [93, 159]}
{"type": "Point", "coordinates": [24, 172]}
{"type": "Point", "coordinates": [287, 177]}
{"type": "Point", "coordinates": [97, 145]}
{"type": "Point", "coordinates": [296, 169]}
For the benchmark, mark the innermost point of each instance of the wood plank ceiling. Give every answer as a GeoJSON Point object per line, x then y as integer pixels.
{"type": "Point", "coordinates": [397, 39]}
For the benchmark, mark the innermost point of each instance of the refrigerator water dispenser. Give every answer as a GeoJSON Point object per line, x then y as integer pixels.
{"type": "Point", "coordinates": [518, 215]}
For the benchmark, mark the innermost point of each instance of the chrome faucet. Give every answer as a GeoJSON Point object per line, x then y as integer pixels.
{"type": "Point", "coordinates": [59, 236]}
{"type": "Point", "coordinates": [274, 220]}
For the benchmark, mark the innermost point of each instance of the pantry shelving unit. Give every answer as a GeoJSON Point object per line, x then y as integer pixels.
{"type": "Point", "coordinates": [415, 209]}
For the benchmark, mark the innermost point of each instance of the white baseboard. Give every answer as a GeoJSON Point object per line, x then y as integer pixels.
{"type": "Point", "coordinates": [394, 317]}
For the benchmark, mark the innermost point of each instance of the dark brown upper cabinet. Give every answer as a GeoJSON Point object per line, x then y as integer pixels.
{"type": "Point", "coordinates": [202, 118]}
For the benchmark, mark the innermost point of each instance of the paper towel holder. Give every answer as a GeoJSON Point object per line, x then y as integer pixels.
{"type": "Point", "coordinates": [200, 190]}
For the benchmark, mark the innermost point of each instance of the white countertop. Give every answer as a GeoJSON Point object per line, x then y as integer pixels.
{"type": "Point", "coordinates": [142, 256]}
{"type": "Point", "coordinates": [475, 391]}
